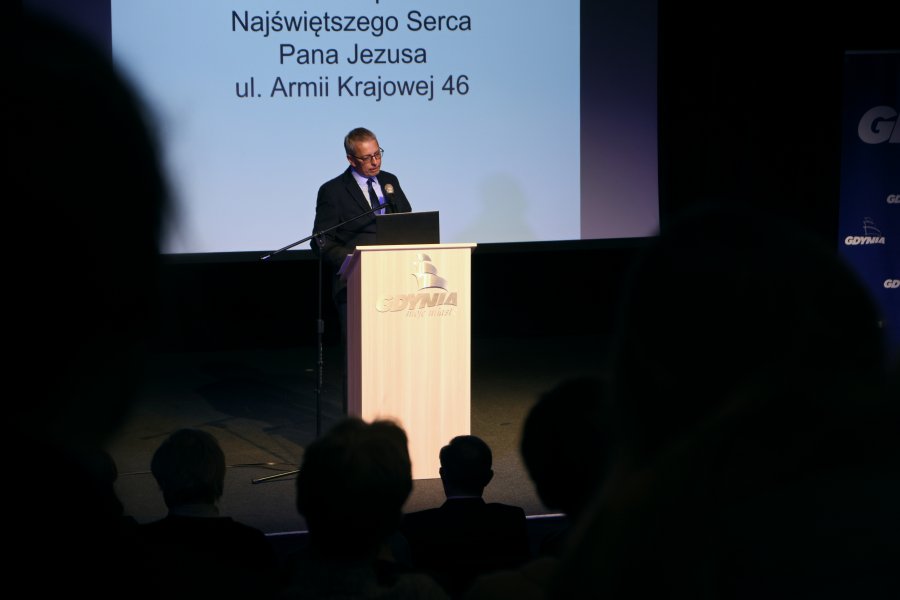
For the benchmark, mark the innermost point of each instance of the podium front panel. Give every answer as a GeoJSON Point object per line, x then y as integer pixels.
{"type": "Point", "coordinates": [409, 343]}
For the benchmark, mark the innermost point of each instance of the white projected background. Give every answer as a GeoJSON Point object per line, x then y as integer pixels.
{"type": "Point", "coordinates": [479, 119]}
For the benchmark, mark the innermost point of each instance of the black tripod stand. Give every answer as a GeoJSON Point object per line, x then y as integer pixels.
{"type": "Point", "coordinates": [320, 323]}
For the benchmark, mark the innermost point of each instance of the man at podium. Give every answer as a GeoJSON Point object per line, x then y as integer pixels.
{"type": "Point", "coordinates": [341, 207]}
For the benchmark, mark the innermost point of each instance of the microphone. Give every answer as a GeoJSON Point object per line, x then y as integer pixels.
{"type": "Point", "coordinates": [389, 196]}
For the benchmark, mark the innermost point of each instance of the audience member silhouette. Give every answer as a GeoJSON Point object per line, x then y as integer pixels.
{"type": "Point", "coordinates": [196, 551]}
{"type": "Point", "coordinates": [759, 451]}
{"type": "Point", "coordinates": [103, 469]}
{"type": "Point", "coordinates": [86, 198]}
{"type": "Point", "coordinates": [466, 537]}
{"type": "Point", "coordinates": [351, 488]}
{"type": "Point", "coordinates": [567, 444]}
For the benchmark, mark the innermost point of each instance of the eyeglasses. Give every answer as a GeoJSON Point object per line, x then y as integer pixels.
{"type": "Point", "coordinates": [369, 157]}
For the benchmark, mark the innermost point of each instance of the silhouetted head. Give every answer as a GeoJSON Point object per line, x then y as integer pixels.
{"type": "Point", "coordinates": [749, 379]}
{"type": "Point", "coordinates": [466, 466]}
{"type": "Point", "coordinates": [352, 485]}
{"type": "Point", "coordinates": [88, 206]}
{"type": "Point", "coordinates": [729, 302]}
{"type": "Point", "coordinates": [567, 443]}
{"type": "Point", "coordinates": [189, 467]}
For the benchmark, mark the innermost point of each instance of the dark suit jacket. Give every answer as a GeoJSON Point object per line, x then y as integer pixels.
{"type": "Point", "coordinates": [465, 538]}
{"type": "Point", "coordinates": [208, 557]}
{"type": "Point", "coordinates": [339, 200]}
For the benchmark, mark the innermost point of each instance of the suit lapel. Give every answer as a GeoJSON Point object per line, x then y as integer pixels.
{"type": "Point", "coordinates": [354, 191]}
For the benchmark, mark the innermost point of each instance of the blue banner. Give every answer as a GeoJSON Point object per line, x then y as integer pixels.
{"type": "Point", "coordinates": [869, 220]}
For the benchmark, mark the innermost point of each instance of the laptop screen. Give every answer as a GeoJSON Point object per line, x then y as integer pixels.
{"type": "Point", "coordinates": [407, 228]}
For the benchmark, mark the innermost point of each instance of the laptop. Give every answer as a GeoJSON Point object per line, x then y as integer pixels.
{"type": "Point", "coordinates": [393, 229]}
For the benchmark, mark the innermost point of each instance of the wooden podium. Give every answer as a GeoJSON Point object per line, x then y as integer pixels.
{"type": "Point", "coordinates": [409, 343]}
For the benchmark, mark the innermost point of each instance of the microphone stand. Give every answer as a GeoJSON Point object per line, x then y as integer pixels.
{"type": "Point", "coordinates": [320, 324]}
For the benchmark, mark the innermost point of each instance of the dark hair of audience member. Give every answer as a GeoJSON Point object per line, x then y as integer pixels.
{"type": "Point", "coordinates": [730, 298]}
{"type": "Point", "coordinates": [352, 485]}
{"type": "Point", "coordinates": [87, 203]}
{"type": "Point", "coordinates": [567, 446]}
{"type": "Point", "coordinates": [466, 464]}
{"type": "Point", "coordinates": [91, 198]}
{"type": "Point", "coordinates": [567, 441]}
{"type": "Point", "coordinates": [189, 467]}
{"type": "Point", "coordinates": [748, 383]}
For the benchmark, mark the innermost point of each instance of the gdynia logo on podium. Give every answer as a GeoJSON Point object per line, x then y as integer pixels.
{"type": "Point", "coordinates": [431, 298]}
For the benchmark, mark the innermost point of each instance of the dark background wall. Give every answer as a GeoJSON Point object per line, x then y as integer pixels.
{"type": "Point", "coordinates": [749, 112]}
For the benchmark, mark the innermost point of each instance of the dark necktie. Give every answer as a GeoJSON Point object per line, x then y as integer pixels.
{"type": "Point", "coordinates": [373, 197]}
